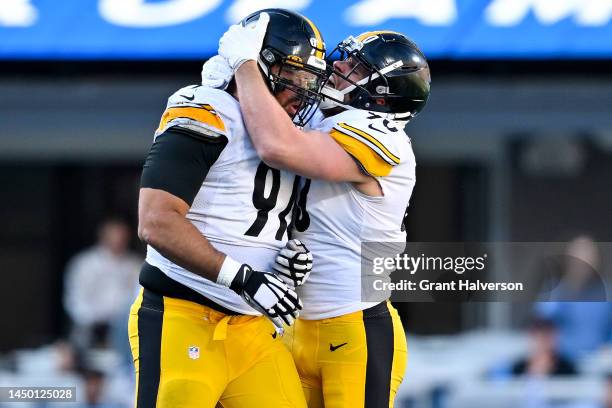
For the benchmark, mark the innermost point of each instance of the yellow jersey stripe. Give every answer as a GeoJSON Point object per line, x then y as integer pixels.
{"type": "Point", "coordinates": [205, 115]}
{"type": "Point", "coordinates": [367, 144]}
{"type": "Point", "coordinates": [373, 140]}
{"type": "Point", "coordinates": [369, 160]}
{"type": "Point", "coordinates": [318, 37]}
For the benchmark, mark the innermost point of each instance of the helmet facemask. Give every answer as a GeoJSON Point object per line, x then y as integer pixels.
{"type": "Point", "coordinates": [372, 91]}
{"type": "Point", "coordinates": [303, 80]}
{"type": "Point", "coordinates": [292, 58]}
{"type": "Point", "coordinates": [349, 50]}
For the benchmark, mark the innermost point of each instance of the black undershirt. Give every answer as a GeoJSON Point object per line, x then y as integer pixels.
{"type": "Point", "coordinates": [179, 161]}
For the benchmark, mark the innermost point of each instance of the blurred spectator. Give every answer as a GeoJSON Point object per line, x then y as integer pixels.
{"type": "Point", "coordinates": [100, 284]}
{"type": "Point", "coordinates": [56, 359]}
{"type": "Point", "coordinates": [607, 399]}
{"type": "Point", "coordinates": [96, 393]}
{"type": "Point", "coordinates": [94, 387]}
{"type": "Point", "coordinates": [578, 304]}
{"type": "Point", "coordinates": [544, 359]}
{"type": "Point", "coordinates": [66, 357]}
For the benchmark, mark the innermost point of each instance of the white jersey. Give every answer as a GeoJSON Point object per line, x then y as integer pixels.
{"type": "Point", "coordinates": [243, 207]}
{"type": "Point", "coordinates": [338, 218]}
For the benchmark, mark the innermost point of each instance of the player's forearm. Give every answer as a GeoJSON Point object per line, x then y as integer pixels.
{"type": "Point", "coordinates": [177, 239]}
{"type": "Point", "coordinates": [283, 146]}
{"type": "Point", "coordinates": [269, 126]}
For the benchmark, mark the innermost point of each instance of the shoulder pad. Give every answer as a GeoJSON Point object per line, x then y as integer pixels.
{"type": "Point", "coordinates": [194, 109]}
{"type": "Point", "coordinates": [369, 138]}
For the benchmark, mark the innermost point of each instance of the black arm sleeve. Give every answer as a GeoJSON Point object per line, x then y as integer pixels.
{"type": "Point", "coordinates": [178, 163]}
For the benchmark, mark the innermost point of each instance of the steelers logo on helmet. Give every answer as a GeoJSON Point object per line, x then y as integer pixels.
{"type": "Point", "coordinates": [388, 74]}
{"type": "Point", "coordinates": [293, 58]}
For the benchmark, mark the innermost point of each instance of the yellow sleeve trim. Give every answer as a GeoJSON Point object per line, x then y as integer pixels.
{"type": "Point", "coordinates": [205, 114]}
{"type": "Point", "coordinates": [371, 162]}
{"type": "Point", "coordinates": [372, 140]}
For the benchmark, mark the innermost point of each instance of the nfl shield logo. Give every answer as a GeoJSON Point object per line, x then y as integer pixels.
{"type": "Point", "coordinates": [194, 352]}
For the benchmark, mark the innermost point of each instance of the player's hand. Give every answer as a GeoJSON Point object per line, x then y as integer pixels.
{"type": "Point", "coordinates": [243, 43]}
{"type": "Point", "coordinates": [217, 73]}
{"type": "Point", "coordinates": [293, 263]}
{"type": "Point", "coordinates": [267, 294]}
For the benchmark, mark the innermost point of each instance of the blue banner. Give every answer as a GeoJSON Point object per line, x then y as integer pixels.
{"type": "Point", "coordinates": [190, 29]}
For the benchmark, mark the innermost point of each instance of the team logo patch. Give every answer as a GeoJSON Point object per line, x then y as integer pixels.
{"type": "Point", "coordinates": [194, 352]}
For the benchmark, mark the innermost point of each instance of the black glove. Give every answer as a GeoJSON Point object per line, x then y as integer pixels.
{"type": "Point", "coordinates": [267, 294]}
{"type": "Point", "coordinates": [293, 263]}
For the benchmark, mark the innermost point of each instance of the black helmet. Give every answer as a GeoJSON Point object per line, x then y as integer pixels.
{"type": "Point", "coordinates": [397, 80]}
{"type": "Point", "coordinates": [293, 43]}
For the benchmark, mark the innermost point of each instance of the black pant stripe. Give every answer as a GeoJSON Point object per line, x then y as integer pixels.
{"type": "Point", "coordinates": [150, 320]}
{"type": "Point", "coordinates": [379, 339]}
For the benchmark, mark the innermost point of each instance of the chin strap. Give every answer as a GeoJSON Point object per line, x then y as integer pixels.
{"type": "Point", "coordinates": [335, 98]}
{"type": "Point", "coordinates": [331, 97]}
{"type": "Point", "coordinates": [264, 68]}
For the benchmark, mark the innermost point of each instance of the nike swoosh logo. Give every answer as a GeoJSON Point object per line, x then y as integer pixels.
{"type": "Point", "coordinates": [189, 98]}
{"type": "Point", "coordinates": [334, 348]}
{"type": "Point", "coordinates": [373, 128]}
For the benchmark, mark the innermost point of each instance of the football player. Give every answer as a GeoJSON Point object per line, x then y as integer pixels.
{"type": "Point", "coordinates": [349, 352]}
{"type": "Point", "coordinates": [208, 205]}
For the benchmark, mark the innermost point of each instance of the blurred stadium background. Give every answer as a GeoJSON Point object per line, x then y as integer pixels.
{"type": "Point", "coordinates": [514, 145]}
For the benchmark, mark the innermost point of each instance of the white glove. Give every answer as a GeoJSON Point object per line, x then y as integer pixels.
{"type": "Point", "coordinates": [216, 73]}
{"type": "Point", "coordinates": [293, 263]}
{"type": "Point", "coordinates": [263, 291]}
{"type": "Point", "coordinates": [243, 43]}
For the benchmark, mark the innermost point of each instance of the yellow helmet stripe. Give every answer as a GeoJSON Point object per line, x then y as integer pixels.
{"type": "Point", "coordinates": [367, 34]}
{"type": "Point", "coordinates": [318, 54]}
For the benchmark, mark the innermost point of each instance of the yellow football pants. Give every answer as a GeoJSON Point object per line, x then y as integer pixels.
{"type": "Point", "coordinates": [189, 355]}
{"type": "Point", "coordinates": [351, 361]}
